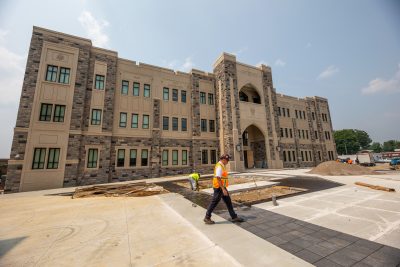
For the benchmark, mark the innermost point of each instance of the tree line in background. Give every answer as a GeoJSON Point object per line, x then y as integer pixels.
{"type": "Point", "coordinates": [350, 141]}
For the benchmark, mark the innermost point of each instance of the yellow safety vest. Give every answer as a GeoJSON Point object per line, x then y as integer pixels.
{"type": "Point", "coordinates": [224, 177]}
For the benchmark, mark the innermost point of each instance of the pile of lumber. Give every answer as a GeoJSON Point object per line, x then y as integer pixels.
{"type": "Point", "coordinates": [139, 189]}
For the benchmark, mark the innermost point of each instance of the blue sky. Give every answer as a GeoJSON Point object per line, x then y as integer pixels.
{"type": "Point", "coordinates": [347, 51]}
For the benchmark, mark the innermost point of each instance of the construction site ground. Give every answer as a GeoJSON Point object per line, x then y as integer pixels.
{"type": "Point", "coordinates": [332, 223]}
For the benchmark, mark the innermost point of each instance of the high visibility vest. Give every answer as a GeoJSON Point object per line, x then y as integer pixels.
{"type": "Point", "coordinates": [224, 177]}
{"type": "Point", "coordinates": [195, 176]}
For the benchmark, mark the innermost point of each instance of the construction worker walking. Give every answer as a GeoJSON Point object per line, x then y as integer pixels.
{"type": "Point", "coordinates": [220, 184]}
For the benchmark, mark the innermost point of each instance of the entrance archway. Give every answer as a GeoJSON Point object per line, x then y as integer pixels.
{"type": "Point", "coordinates": [248, 93]}
{"type": "Point", "coordinates": [254, 151]}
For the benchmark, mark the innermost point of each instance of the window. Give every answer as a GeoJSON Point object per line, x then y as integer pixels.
{"type": "Point", "coordinates": [286, 133]}
{"type": "Point", "coordinates": [310, 155]}
{"type": "Point", "coordinates": [132, 157]}
{"type": "Point", "coordinates": [64, 75]}
{"type": "Point", "coordinates": [313, 115]}
{"type": "Point", "coordinates": [45, 112]}
{"type": "Point", "coordinates": [175, 95]}
{"type": "Point", "coordinates": [96, 117]}
{"type": "Point", "coordinates": [305, 152]}
{"type": "Point", "coordinates": [135, 121]}
{"type": "Point", "coordinates": [174, 124]}
{"type": "Point", "coordinates": [166, 93]}
{"type": "Point", "coordinates": [289, 156]}
{"type": "Point", "coordinates": [51, 74]}
{"type": "Point", "coordinates": [202, 98]}
{"type": "Point", "coordinates": [281, 132]}
{"type": "Point", "coordinates": [299, 133]}
{"type": "Point", "coordinates": [288, 114]}
{"type": "Point", "coordinates": [122, 119]}
{"type": "Point", "coordinates": [297, 115]}
{"type": "Point", "coordinates": [302, 156]}
{"type": "Point", "coordinates": [125, 87]}
{"type": "Point", "coordinates": [279, 111]}
{"type": "Point", "coordinates": [284, 156]}
{"type": "Point", "coordinates": [145, 156]}
{"type": "Point", "coordinates": [302, 131]}
{"type": "Point", "coordinates": [99, 83]}
{"type": "Point", "coordinates": [92, 158]}
{"type": "Point", "coordinates": [212, 125]}
{"type": "Point", "coordinates": [174, 157]}
{"type": "Point", "coordinates": [284, 112]}
{"type": "Point", "coordinates": [204, 156]}
{"type": "Point", "coordinates": [294, 155]}
{"type": "Point", "coordinates": [145, 124]}
{"type": "Point", "coordinates": [39, 156]}
{"type": "Point", "coordinates": [52, 160]}
{"type": "Point", "coordinates": [316, 134]}
{"type": "Point", "coordinates": [166, 123]}
{"type": "Point", "coordinates": [165, 158]}
{"type": "Point", "coordinates": [243, 97]}
{"type": "Point", "coordinates": [59, 111]}
{"type": "Point", "coordinates": [183, 96]}
{"type": "Point", "coordinates": [146, 92]}
{"type": "Point", "coordinates": [136, 89]}
{"type": "Point", "coordinates": [304, 115]}
{"type": "Point", "coordinates": [319, 155]}
{"type": "Point", "coordinates": [184, 157]}
{"type": "Point", "coordinates": [307, 134]}
{"type": "Point", "coordinates": [121, 158]}
{"type": "Point", "coordinates": [203, 125]}
{"type": "Point", "coordinates": [213, 156]}
{"type": "Point", "coordinates": [211, 99]}
{"type": "Point", "coordinates": [290, 133]}
{"type": "Point", "coordinates": [183, 124]}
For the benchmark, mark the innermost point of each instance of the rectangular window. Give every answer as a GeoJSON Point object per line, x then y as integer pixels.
{"type": "Point", "coordinates": [174, 157]}
{"type": "Point", "coordinates": [305, 152]}
{"type": "Point", "coordinates": [304, 115]}
{"type": "Point", "coordinates": [279, 111]}
{"type": "Point", "coordinates": [96, 117]}
{"type": "Point", "coordinates": [145, 157]}
{"type": "Point", "coordinates": [135, 121]}
{"type": "Point", "coordinates": [175, 95]}
{"type": "Point", "coordinates": [297, 115]}
{"type": "Point", "coordinates": [39, 156]}
{"type": "Point", "coordinates": [212, 126]}
{"type": "Point", "coordinates": [299, 133]}
{"type": "Point", "coordinates": [294, 155]}
{"type": "Point", "coordinates": [284, 112]}
{"type": "Point", "coordinates": [289, 156]}
{"type": "Point", "coordinates": [146, 119]}
{"type": "Point", "coordinates": [146, 92]}
{"type": "Point", "coordinates": [319, 155]}
{"type": "Point", "coordinates": [307, 134]}
{"type": "Point", "coordinates": [184, 124]}
{"type": "Point", "coordinates": [166, 123]}
{"type": "Point", "coordinates": [136, 89]}
{"type": "Point", "coordinates": [174, 124]}
{"type": "Point", "coordinates": [284, 156]}
{"type": "Point", "coordinates": [121, 158]}
{"type": "Point", "coordinates": [211, 99]}
{"type": "Point", "coordinates": [281, 132]}
{"type": "Point", "coordinates": [99, 83]}
{"type": "Point", "coordinates": [59, 111]}
{"type": "Point", "coordinates": [203, 125]}
{"type": "Point", "coordinates": [53, 158]}
{"type": "Point", "coordinates": [92, 158]}
{"type": "Point", "coordinates": [302, 131]}
{"type": "Point", "coordinates": [316, 134]}
{"type": "Point", "coordinates": [183, 96]}
{"type": "Point", "coordinates": [313, 115]}
{"type": "Point", "coordinates": [204, 156]}
{"type": "Point", "coordinates": [202, 98]}
{"type": "Point", "coordinates": [184, 157]}
{"type": "Point", "coordinates": [165, 158]}
{"type": "Point", "coordinates": [213, 156]}
{"type": "Point", "coordinates": [286, 133]}
{"type": "Point", "coordinates": [45, 112]}
{"type": "Point", "coordinates": [288, 114]}
{"type": "Point", "coordinates": [125, 87]}
{"type": "Point", "coordinates": [132, 157]}
{"type": "Point", "coordinates": [302, 156]}
{"type": "Point", "coordinates": [309, 152]}
{"type": "Point", "coordinates": [64, 75]}
{"type": "Point", "coordinates": [51, 74]}
{"type": "Point", "coordinates": [290, 133]}
{"type": "Point", "coordinates": [166, 93]}
{"type": "Point", "coordinates": [122, 119]}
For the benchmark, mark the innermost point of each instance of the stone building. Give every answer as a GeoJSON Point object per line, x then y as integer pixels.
{"type": "Point", "coordinates": [87, 116]}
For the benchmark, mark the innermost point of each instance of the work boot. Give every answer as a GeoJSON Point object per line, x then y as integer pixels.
{"type": "Point", "coordinates": [237, 219]}
{"type": "Point", "coordinates": [208, 221]}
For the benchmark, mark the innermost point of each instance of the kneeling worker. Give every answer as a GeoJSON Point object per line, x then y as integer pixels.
{"type": "Point", "coordinates": [220, 183]}
{"type": "Point", "coordinates": [194, 181]}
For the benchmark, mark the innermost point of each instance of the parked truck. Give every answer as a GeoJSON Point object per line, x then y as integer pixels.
{"type": "Point", "coordinates": [365, 158]}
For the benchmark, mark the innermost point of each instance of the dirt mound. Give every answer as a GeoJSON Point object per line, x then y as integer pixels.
{"type": "Point", "coordinates": [333, 168]}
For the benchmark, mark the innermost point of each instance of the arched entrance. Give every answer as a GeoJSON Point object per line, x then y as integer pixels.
{"type": "Point", "coordinates": [254, 151]}
{"type": "Point", "coordinates": [248, 93]}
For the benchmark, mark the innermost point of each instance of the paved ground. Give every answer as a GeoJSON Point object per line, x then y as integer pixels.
{"type": "Point", "coordinates": [339, 225]}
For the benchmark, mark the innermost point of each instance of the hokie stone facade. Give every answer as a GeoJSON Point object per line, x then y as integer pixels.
{"type": "Point", "coordinates": [87, 116]}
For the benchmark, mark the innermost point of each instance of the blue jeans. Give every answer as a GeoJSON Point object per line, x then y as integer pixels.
{"type": "Point", "coordinates": [215, 200]}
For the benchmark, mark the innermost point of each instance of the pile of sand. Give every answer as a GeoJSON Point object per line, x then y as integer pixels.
{"type": "Point", "coordinates": [333, 168]}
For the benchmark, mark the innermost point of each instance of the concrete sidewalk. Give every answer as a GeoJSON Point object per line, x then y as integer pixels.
{"type": "Point", "coordinates": [45, 229]}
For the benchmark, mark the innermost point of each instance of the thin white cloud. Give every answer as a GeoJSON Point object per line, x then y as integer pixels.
{"type": "Point", "coordinates": [11, 72]}
{"type": "Point", "coordinates": [328, 72]}
{"type": "Point", "coordinates": [280, 63]}
{"type": "Point", "coordinates": [94, 29]}
{"type": "Point", "coordinates": [379, 85]}
{"type": "Point", "coordinates": [262, 62]}
{"type": "Point", "coordinates": [187, 65]}
{"type": "Point", "coordinates": [175, 64]}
